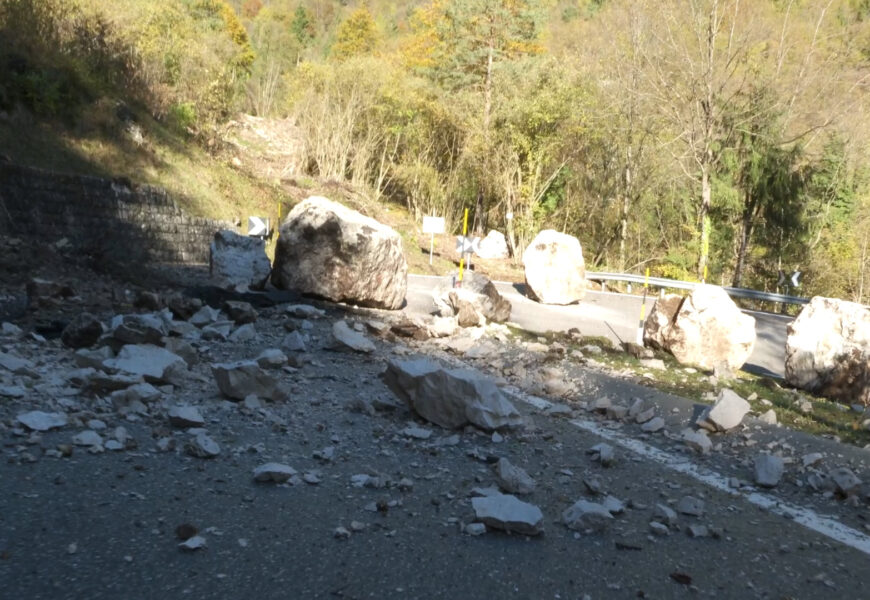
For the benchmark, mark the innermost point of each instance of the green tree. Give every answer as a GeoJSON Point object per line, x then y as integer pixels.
{"type": "Point", "coordinates": [357, 35]}
{"type": "Point", "coordinates": [302, 25]}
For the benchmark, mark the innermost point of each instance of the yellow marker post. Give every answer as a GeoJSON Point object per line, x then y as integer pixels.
{"type": "Point", "coordinates": [462, 254]}
{"type": "Point", "coordinates": [643, 308]}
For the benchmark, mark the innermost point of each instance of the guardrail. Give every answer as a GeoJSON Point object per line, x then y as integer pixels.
{"type": "Point", "coordinates": [690, 285]}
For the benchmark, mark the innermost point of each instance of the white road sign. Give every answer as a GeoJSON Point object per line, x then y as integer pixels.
{"type": "Point", "coordinates": [433, 225]}
{"type": "Point", "coordinates": [258, 227]}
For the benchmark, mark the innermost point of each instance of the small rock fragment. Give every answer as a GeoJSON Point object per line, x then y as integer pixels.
{"type": "Point", "coordinates": [587, 516]}
{"type": "Point", "coordinates": [192, 544]}
{"type": "Point", "coordinates": [689, 505]}
{"type": "Point", "coordinates": [203, 446]}
{"type": "Point", "coordinates": [768, 470]}
{"type": "Point", "coordinates": [513, 479]}
{"type": "Point", "coordinates": [509, 513]}
{"type": "Point", "coordinates": [653, 425]}
{"type": "Point", "coordinates": [277, 472]}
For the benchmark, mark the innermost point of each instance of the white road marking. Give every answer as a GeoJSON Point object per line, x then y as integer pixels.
{"type": "Point", "coordinates": [827, 526]}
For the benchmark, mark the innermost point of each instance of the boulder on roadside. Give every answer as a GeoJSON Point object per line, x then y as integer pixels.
{"type": "Point", "coordinates": [587, 516]}
{"type": "Point", "coordinates": [450, 398]}
{"type": "Point", "coordinates": [82, 332]}
{"type": "Point", "coordinates": [476, 297]}
{"type": "Point", "coordinates": [493, 246]}
{"type": "Point", "coordinates": [331, 251]}
{"type": "Point", "coordinates": [238, 262]}
{"type": "Point", "coordinates": [827, 350]}
{"type": "Point", "coordinates": [554, 268]}
{"type": "Point", "coordinates": [705, 329]}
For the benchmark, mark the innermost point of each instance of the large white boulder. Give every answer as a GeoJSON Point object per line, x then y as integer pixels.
{"type": "Point", "coordinates": [827, 350]}
{"type": "Point", "coordinates": [705, 329]}
{"type": "Point", "coordinates": [493, 246]}
{"type": "Point", "coordinates": [238, 262]}
{"type": "Point", "coordinates": [331, 251]}
{"type": "Point", "coordinates": [450, 398]}
{"type": "Point", "coordinates": [554, 268]}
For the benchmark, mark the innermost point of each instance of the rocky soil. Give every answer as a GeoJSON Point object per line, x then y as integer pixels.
{"type": "Point", "coordinates": [262, 454]}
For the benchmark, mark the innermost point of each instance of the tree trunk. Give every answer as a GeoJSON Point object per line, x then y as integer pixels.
{"type": "Point", "coordinates": [623, 225]}
{"type": "Point", "coordinates": [745, 236]}
{"type": "Point", "coordinates": [703, 217]}
{"type": "Point", "coordinates": [487, 90]}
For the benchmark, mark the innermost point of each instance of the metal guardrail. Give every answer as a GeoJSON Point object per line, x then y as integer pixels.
{"type": "Point", "coordinates": [690, 285]}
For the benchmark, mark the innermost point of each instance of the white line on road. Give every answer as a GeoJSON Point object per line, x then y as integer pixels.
{"type": "Point", "coordinates": [826, 526]}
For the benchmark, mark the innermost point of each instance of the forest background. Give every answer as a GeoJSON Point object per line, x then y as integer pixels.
{"type": "Point", "coordinates": [724, 139]}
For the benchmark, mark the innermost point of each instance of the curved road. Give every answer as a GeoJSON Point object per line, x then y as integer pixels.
{"type": "Point", "coordinates": [606, 314]}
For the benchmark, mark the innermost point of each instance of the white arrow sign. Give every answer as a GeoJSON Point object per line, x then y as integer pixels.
{"type": "Point", "coordinates": [257, 227]}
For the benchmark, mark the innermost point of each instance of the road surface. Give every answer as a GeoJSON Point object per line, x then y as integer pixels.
{"type": "Point", "coordinates": [607, 314]}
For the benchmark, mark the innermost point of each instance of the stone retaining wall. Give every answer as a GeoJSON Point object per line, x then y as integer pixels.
{"type": "Point", "coordinates": [111, 219]}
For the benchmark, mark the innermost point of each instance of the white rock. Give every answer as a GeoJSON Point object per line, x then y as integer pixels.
{"type": "Point", "coordinates": [417, 433]}
{"type": "Point", "coordinates": [238, 262]}
{"type": "Point", "coordinates": [659, 528]}
{"type": "Point", "coordinates": [451, 398]}
{"type": "Point", "coordinates": [665, 514]}
{"type": "Point", "coordinates": [846, 481]}
{"type": "Point", "coordinates": [240, 379]}
{"type": "Point", "coordinates": [768, 417]}
{"type": "Point", "coordinates": [513, 479]}
{"type": "Point", "coordinates": [38, 420]}
{"type": "Point", "coordinates": [153, 363]}
{"type": "Point", "coordinates": [347, 338]}
{"type": "Point", "coordinates": [811, 459]}
{"type": "Point", "coordinates": [243, 333]}
{"type": "Point", "coordinates": [706, 329]}
{"type": "Point", "coordinates": [509, 513]}
{"type": "Point", "coordinates": [294, 342]}
{"type": "Point", "coordinates": [203, 446]}
{"type": "Point", "coordinates": [185, 416]}
{"type": "Point", "coordinates": [585, 516]}
{"type": "Point", "coordinates": [16, 365]}
{"type": "Point", "coordinates": [726, 413]}
{"type": "Point", "coordinates": [555, 272]}
{"type": "Point", "coordinates": [87, 437]}
{"type": "Point", "coordinates": [614, 505]}
{"type": "Point", "coordinates": [697, 441]}
{"type": "Point", "coordinates": [475, 529]}
{"type": "Point", "coordinates": [493, 246]}
{"type": "Point", "coordinates": [768, 470]}
{"type": "Point", "coordinates": [689, 505]}
{"type": "Point", "coordinates": [276, 472]}
{"type": "Point", "coordinates": [191, 544]}
{"type": "Point", "coordinates": [331, 251]}
{"type": "Point", "coordinates": [604, 453]}
{"type": "Point", "coordinates": [271, 358]}
{"type": "Point", "coordinates": [205, 316]}
{"type": "Point", "coordinates": [827, 350]}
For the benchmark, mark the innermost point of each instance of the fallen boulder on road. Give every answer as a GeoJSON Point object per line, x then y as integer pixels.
{"type": "Point", "coordinates": [238, 380]}
{"type": "Point", "coordinates": [705, 329]}
{"type": "Point", "coordinates": [331, 251]}
{"type": "Point", "coordinates": [450, 398]}
{"type": "Point", "coordinates": [554, 268]}
{"type": "Point", "coordinates": [827, 350]}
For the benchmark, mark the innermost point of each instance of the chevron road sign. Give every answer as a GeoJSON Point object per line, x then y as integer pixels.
{"type": "Point", "coordinates": [258, 227]}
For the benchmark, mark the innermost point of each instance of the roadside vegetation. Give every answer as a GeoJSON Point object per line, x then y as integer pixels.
{"type": "Point", "coordinates": [711, 137]}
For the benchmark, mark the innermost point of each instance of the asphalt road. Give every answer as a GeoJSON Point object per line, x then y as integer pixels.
{"type": "Point", "coordinates": [607, 314]}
